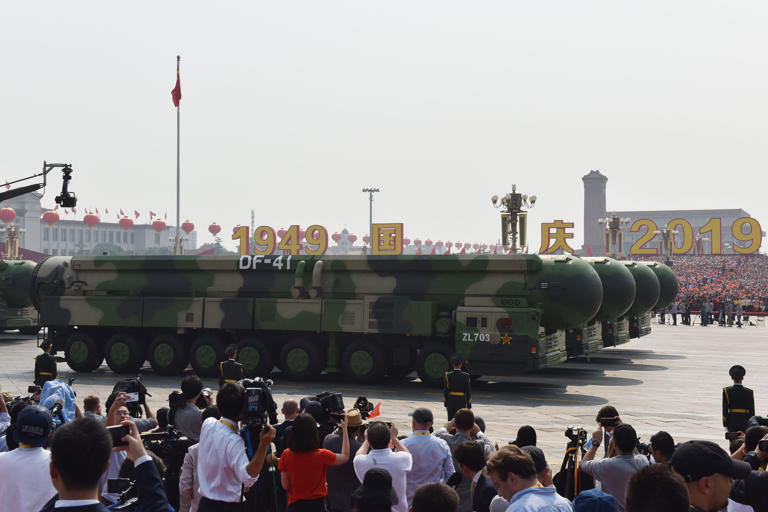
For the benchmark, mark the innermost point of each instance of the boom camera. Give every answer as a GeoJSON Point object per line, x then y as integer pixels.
{"type": "Point", "coordinates": [66, 199]}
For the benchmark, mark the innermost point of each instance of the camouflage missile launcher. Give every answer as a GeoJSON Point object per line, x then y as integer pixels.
{"type": "Point", "coordinates": [646, 297]}
{"type": "Point", "coordinates": [618, 296]}
{"type": "Point", "coordinates": [667, 284]}
{"type": "Point", "coordinates": [362, 316]}
{"type": "Point", "coordinates": [16, 311]}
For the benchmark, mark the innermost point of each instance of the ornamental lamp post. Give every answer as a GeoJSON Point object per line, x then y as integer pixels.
{"type": "Point", "coordinates": [513, 218]}
{"type": "Point", "coordinates": [614, 235]}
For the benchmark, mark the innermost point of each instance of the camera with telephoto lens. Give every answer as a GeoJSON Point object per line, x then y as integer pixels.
{"type": "Point", "coordinates": [202, 400]}
{"type": "Point", "coordinates": [364, 406]}
{"type": "Point", "coordinates": [171, 446]}
{"type": "Point", "coordinates": [577, 435]}
{"type": "Point", "coordinates": [126, 489]}
{"type": "Point", "coordinates": [332, 403]}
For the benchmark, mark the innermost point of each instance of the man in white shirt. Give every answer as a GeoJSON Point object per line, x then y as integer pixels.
{"type": "Point", "coordinates": [222, 464]}
{"type": "Point", "coordinates": [432, 461]}
{"type": "Point", "coordinates": [24, 482]}
{"type": "Point", "coordinates": [397, 463]}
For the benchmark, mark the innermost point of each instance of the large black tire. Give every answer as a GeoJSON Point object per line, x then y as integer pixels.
{"type": "Point", "coordinates": [364, 361]}
{"type": "Point", "coordinates": [404, 368]}
{"type": "Point", "coordinates": [300, 359]}
{"type": "Point", "coordinates": [434, 360]}
{"type": "Point", "coordinates": [167, 355]}
{"type": "Point", "coordinates": [255, 357]}
{"type": "Point", "coordinates": [82, 352]}
{"type": "Point", "coordinates": [124, 353]}
{"type": "Point", "coordinates": [205, 354]}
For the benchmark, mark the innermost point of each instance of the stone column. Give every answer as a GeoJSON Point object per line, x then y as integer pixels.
{"type": "Point", "coordinates": [594, 209]}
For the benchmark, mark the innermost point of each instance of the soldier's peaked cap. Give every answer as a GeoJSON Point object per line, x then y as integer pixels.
{"type": "Point", "coordinates": [737, 372]}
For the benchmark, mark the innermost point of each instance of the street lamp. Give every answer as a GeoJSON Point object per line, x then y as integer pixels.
{"type": "Point", "coordinates": [513, 217]}
{"type": "Point", "coordinates": [614, 236]}
{"type": "Point", "coordinates": [12, 241]}
{"type": "Point", "coordinates": [698, 247]}
{"type": "Point", "coordinates": [667, 239]}
{"type": "Point", "coordinates": [370, 191]}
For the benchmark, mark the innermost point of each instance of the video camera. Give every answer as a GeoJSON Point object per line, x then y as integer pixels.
{"type": "Point", "coordinates": [66, 199]}
{"type": "Point", "coordinates": [259, 404]}
{"type": "Point", "coordinates": [577, 435]}
{"type": "Point", "coordinates": [364, 406]}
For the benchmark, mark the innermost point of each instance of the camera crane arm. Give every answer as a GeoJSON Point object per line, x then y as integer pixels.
{"type": "Point", "coordinates": [66, 199]}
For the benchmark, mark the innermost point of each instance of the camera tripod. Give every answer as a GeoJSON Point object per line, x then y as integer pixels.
{"type": "Point", "coordinates": [570, 480]}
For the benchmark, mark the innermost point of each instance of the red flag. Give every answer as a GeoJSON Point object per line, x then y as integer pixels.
{"type": "Point", "coordinates": [376, 411]}
{"type": "Point", "coordinates": [106, 211]}
{"type": "Point", "coordinates": [121, 213]}
{"type": "Point", "coordinates": [166, 215]}
{"type": "Point", "coordinates": [526, 249]}
{"type": "Point", "coordinates": [589, 251]}
{"type": "Point", "coordinates": [176, 92]}
{"type": "Point", "coordinates": [6, 184]}
{"type": "Point", "coordinates": [136, 213]}
{"type": "Point", "coordinates": [418, 251]}
{"type": "Point", "coordinates": [66, 212]}
{"type": "Point", "coordinates": [74, 210]}
{"type": "Point", "coordinates": [433, 250]}
{"type": "Point", "coordinates": [447, 252]}
{"type": "Point", "coordinates": [97, 211]}
{"type": "Point", "coordinates": [56, 207]}
{"type": "Point", "coordinates": [151, 214]}
{"type": "Point", "coordinates": [463, 251]}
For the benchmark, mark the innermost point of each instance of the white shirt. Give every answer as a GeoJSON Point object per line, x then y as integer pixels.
{"type": "Point", "coordinates": [221, 461]}
{"type": "Point", "coordinates": [432, 460]}
{"type": "Point", "coordinates": [397, 465]}
{"type": "Point", "coordinates": [25, 479]}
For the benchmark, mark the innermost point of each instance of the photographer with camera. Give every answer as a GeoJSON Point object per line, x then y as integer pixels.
{"type": "Point", "coordinates": [303, 464]}
{"type": "Point", "coordinates": [342, 480]}
{"type": "Point", "coordinates": [80, 453]}
{"type": "Point", "coordinates": [24, 482]}
{"type": "Point", "coordinates": [608, 418]}
{"type": "Point", "coordinates": [614, 473]}
{"type": "Point", "coordinates": [188, 418]}
{"type": "Point", "coordinates": [378, 437]}
{"type": "Point", "coordinates": [222, 464]}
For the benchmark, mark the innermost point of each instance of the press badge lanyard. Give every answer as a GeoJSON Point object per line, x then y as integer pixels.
{"type": "Point", "coordinates": [229, 424]}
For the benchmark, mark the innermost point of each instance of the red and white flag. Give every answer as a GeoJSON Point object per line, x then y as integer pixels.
{"type": "Point", "coordinates": [176, 92]}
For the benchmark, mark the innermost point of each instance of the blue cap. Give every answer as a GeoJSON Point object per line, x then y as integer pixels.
{"type": "Point", "coordinates": [33, 426]}
{"type": "Point", "coordinates": [594, 500]}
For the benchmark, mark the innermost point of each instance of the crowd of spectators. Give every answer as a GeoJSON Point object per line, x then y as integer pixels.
{"type": "Point", "coordinates": [719, 279]}
{"type": "Point", "coordinates": [49, 462]}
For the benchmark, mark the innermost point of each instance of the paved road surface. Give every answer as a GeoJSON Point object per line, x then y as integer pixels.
{"type": "Point", "coordinates": [670, 380]}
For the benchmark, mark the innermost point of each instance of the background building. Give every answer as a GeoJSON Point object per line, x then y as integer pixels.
{"type": "Point", "coordinates": [70, 236]}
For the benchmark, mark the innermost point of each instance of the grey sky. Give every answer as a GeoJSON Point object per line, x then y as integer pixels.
{"type": "Point", "coordinates": [291, 108]}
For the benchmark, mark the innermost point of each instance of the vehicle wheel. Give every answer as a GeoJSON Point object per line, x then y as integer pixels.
{"type": "Point", "coordinates": [255, 357]}
{"type": "Point", "coordinates": [205, 354]}
{"type": "Point", "coordinates": [167, 355]}
{"type": "Point", "coordinates": [83, 353]}
{"type": "Point", "coordinates": [300, 359]}
{"type": "Point", "coordinates": [124, 353]}
{"type": "Point", "coordinates": [363, 361]}
{"type": "Point", "coordinates": [29, 330]}
{"type": "Point", "coordinates": [434, 361]}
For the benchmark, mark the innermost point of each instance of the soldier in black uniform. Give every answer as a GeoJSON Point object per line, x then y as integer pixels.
{"type": "Point", "coordinates": [457, 393]}
{"type": "Point", "coordinates": [45, 364]}
{"type": "Point", "coordinates": [738, 402]}
{"type": "Point", "coordinates": [230, 370]}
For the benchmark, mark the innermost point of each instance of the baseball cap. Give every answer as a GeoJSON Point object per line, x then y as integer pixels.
{"type": "Point", "coordinates": [594, 500]}
{"type": "Point", "coordinates": [696, 459]}
{"type": "Point", "coordinates": [422, 415]}
{"type": "Point", "coordinates": [536, 453]}
{"type": "Point", "coordinates": [33, 426]}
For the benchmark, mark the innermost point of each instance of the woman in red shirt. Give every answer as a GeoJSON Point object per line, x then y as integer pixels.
{"type": "Point", "coordinates": [302, 465]}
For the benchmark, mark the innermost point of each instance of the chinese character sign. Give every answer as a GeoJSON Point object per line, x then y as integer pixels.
{"type": "Point", "coordinates": [554, 236]}
{"type": "Point", "coordinates": [387, 239]}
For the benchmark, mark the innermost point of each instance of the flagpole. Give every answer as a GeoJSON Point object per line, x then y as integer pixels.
{"type": "Point", "coordinates": [176, 245]}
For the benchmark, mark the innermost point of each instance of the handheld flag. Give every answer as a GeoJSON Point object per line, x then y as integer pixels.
{"type": "Point", "coordinates": [376, 411]}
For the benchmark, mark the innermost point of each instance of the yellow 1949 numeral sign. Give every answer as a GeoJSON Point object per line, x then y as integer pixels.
{"type": "Point", "coordinates": [266, 240]}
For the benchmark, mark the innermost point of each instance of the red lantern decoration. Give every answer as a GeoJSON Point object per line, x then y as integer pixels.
{"type": "Point", "coordinates": [484, 246]}
{"type": "Point", "coordinates": [51, 217]}
{"type": "Point", "coordinates": [336, 237]}
{"type": "Point", "coordinates": [458, 245]}
{"type": "Point", "coordinates": [366, 239]}
{"type": "Point", "coordinates": [281, 232]}
{"type": "Point", "coordinates": [406, 241]}
{"type": "Point", "coordinates": [417, 243]}
{"type": "Point", "coordinates": [475, 246]}
{"type": "Point", "coordinates": [439, 244]}
{"type": "Point", "coordinates": [7, 214]}
{"type": "Point", "coordinates": [158, 226]}
{"type": "Point", "coordinates": [125, 223]}
{"type": "Point", "coordinates": [187, 227]}
{"type": "Point", "coordinates": [214, 229]}
{"type": "Point", "coordinates": [351, 238]}
{"type": "Point", "coordinates": [449, 244]}
{"type": "Point", "coordinates": [91, 220]}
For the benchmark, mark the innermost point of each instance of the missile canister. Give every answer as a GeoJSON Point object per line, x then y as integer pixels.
{"type": "Point", "coordinates": [646, 297]}
{"type": "Point", "coordinates": [667, 284]}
